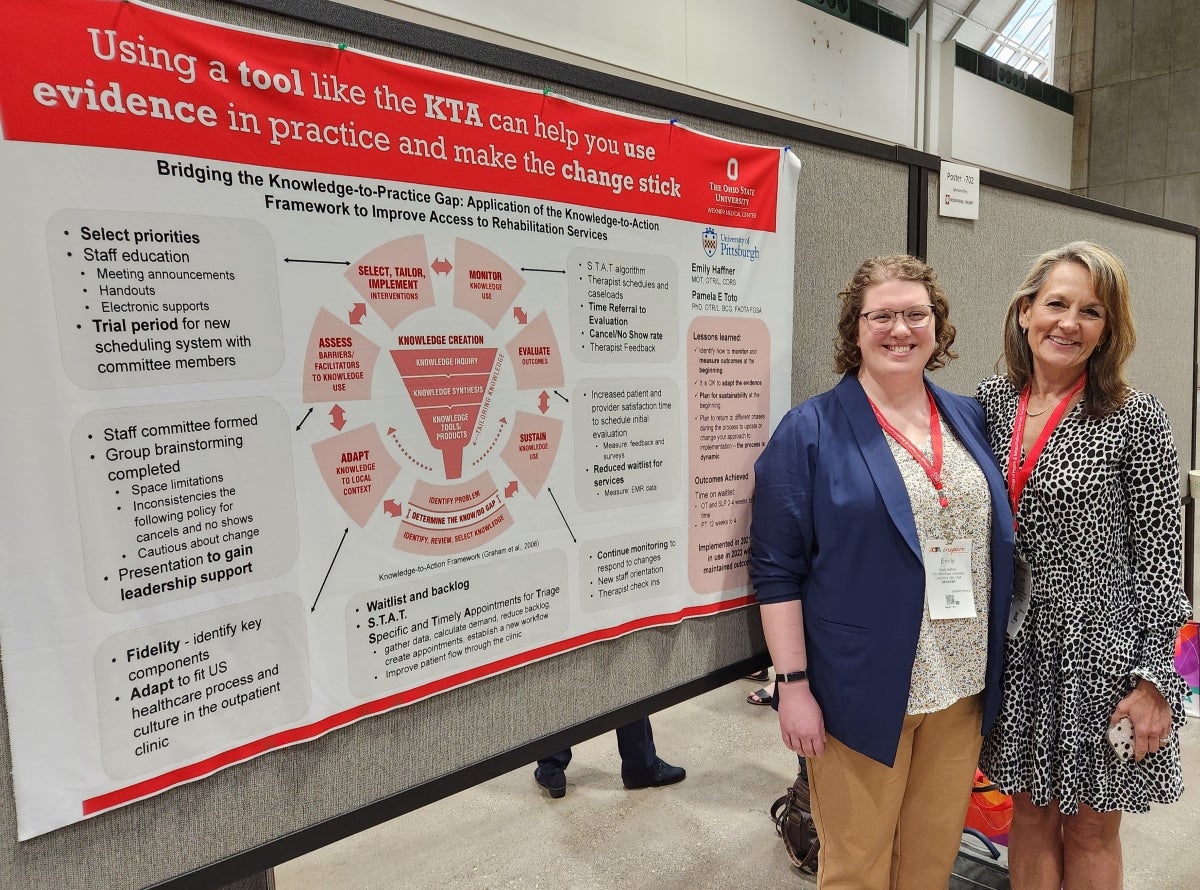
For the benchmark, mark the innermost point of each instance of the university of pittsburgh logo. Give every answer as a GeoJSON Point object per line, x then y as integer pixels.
{"type": "Point", "coordinates": [709, 240]}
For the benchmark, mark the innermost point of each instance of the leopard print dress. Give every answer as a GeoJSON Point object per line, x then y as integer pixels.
{"type": "Point", "coordinates": [1100, 530]}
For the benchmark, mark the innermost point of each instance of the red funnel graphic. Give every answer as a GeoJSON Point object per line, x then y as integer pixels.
{"type": "Point", "coordinates": [447, 387]}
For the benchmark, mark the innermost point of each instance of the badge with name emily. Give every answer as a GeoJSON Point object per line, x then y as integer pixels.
{"type": "Point", "coordinates": [948, 587]}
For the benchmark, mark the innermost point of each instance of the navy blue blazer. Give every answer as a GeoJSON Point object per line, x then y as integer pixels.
{"type": "Point", "coordinates": [832, 526]}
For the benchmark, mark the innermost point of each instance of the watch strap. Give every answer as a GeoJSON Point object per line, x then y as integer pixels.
{"type": "Point", "coordinates": [791, 677]}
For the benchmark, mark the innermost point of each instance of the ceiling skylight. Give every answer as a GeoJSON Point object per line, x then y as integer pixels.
{"type": "Point", "coordinates": [1026, 42]}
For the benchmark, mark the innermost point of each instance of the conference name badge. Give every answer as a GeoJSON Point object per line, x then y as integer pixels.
{"type": "Point", "coordinates": [948, 587]}
{"type": "Point", "coordinates": [1022, 593]}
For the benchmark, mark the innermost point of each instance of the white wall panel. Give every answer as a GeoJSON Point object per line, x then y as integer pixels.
{"type": "Point", "coordinates": [781, 56]}
{"type": "Point", "coordinates": [803, 62]}
{"type": "Point", "coordinates": [987, 125]}
{"type": "Point", "coordinates": [645, 36]}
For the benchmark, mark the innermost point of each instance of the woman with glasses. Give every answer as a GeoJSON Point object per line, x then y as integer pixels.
{"type": "Point", "coordinates": [1093, 478]}
{"type": "Point", "coordinates": [881, 554]}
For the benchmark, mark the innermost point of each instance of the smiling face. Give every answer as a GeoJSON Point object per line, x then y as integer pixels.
{"type": "Point", "coordinates": [1065, 324]}
{"type": "Point", "coordinates": [900, 350]}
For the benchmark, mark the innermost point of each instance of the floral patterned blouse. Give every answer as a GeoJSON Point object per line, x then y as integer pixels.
{"type": "Point", "coordinates": [952, 652]}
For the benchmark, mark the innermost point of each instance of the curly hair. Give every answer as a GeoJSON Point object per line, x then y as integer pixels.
{"type": "Point", "coordinates": [898, 267]}
{"type": "Point", "coordinates": [1107, 387]}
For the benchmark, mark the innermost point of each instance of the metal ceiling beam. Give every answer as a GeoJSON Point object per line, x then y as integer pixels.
{"type": "Point", "coordinates": [966, 14]}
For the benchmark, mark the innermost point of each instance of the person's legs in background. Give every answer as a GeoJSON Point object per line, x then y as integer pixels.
{"type": "Point", "coordinates": [635, 744]}
{"type": "Point", "coordinates": [551, 775]}
{"type": "Point", "coordinates": [762, 696]}
{"type": "Point", "coordinates": [641, 767]}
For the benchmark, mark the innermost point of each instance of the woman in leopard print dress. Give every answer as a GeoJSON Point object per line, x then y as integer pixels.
{"type": "Point", "coordinates": [1093, 472]}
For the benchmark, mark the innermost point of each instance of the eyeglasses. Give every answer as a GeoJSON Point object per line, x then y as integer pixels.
{"type": "Point", "coordinates": [883, 319]}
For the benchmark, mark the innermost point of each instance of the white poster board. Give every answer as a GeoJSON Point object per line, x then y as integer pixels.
{"type": "Point", "coordinates": [334, 383]}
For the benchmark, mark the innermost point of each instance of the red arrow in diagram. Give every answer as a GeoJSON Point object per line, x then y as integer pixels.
{"type": "Point", "coordinates": [519, 315]}
{"type": "Point", "coordinates": [544, 402]}
{"type": "Point", "coordinates": [338, 413]}
{"type": "Point", "coordinates": [510, 489]}
{"type": "Point", "coordinates": [357, 313]}
{"type": "Point", "coordinates": [441, 266]}
{"type": "Point", "coordinates": [392, 508]}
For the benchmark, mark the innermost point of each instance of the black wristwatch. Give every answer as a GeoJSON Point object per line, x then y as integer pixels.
{"type": "Point", "coordinates": [791, 677]}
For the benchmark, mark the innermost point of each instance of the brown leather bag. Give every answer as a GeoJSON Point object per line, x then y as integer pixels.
{"type": "Point", "coordinates": [794, 823]}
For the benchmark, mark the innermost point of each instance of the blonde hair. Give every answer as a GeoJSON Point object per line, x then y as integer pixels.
{"type": "Point", "coordinates": [1107, 387]}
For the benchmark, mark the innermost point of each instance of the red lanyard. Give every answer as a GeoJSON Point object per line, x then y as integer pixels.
{"type": "Point", "coordinates": [1019, 471]}
{"type": "Point", "coordinates": [933, 469]}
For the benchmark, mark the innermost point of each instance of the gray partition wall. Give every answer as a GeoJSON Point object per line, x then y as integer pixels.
{"type": "Point", "coordinates": [982, 262]}
{"type": "Point", "coordinates": [853, 202]}
{"type": "Point", "coordinates": [837, 227]}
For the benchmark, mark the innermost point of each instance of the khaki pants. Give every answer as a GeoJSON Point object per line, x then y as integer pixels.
{"type": "Point", "coordinates": [897, 828]}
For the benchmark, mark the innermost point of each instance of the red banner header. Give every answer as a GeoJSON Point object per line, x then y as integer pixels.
{"type": "Point", "coordinates": [132, 77]}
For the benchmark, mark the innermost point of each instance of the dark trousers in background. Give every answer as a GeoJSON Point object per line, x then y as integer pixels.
{"type": "Point", "coordinates": [635, 743]}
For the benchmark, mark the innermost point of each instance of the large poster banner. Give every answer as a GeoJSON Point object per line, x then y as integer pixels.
{"type": "Point", "coordinates": [333, 383]}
